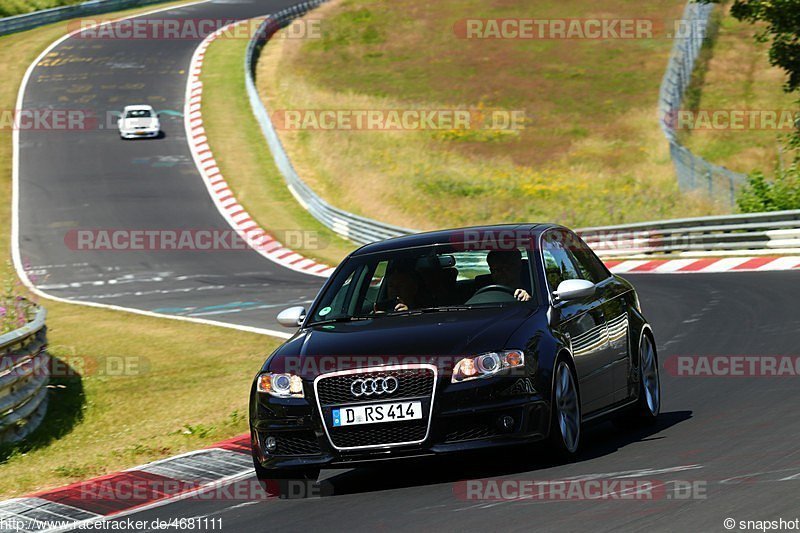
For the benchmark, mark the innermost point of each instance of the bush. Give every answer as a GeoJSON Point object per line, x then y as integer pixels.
{"type": "Point", "coordinates": [760, 194]}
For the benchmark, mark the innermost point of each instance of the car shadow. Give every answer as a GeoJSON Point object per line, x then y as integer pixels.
{"type": "Point", "coordinates": [599, 440]}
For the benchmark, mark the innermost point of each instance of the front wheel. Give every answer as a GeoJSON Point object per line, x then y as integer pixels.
{"type": "Point", "coordinates": [565, 430]}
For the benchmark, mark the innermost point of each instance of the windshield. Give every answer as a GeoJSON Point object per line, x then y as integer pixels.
{"type": "Point", "coordinates": [425, 279]}
{"type": "Point", "coordinates": [138, 113]}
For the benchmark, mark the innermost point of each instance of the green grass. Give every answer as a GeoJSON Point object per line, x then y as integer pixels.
{"type": "Point", "coordinates": [17, 7]}
{"type": "Point", "coordinates": [245, 160]}
{"type": "Point", "coordinates": [591, 151]}
{"type": "Point", "coordinates": [739, 77]}
{"type": "Point", "coordinates": [192, 383]}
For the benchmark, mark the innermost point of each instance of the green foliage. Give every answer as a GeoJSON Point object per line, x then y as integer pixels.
{"type": "Point", "coordinates": [761, 194]}
{"type": "Point", "coordinates": [782, 28]}
{"type": "Point", "coordinates": [17, 7]}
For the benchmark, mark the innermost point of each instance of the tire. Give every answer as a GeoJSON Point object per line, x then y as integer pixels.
{"type": "Point", "coordinates": [648, 405]}
{"type": "Point", "coordinates": [286, 483]}
{"type": "Point", "coordinates": [565, 420]}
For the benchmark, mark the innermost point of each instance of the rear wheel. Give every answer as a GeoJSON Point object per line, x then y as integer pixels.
{"type": "Point", "coordinates": [565, 431]}
{"type": "Point", "coordinates": [648, 405]}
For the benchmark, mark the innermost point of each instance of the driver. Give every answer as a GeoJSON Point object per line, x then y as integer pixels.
{"type": "Point", "coordinates": [404, 290]}
{"type": "Point", "coordinates": [506, 269]}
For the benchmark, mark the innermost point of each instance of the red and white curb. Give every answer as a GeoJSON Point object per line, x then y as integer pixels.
{"type": "Point", "coordinates": [707, 265]}
{"type": "Point", "coordinates": [222, 195]}
{"type": "Point", "coordinates": [202, 474]}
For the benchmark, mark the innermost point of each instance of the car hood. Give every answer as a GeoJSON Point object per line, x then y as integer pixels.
{"type": "Point", "coordinates": [438, 338]}
{"type": "Point", "coordinates": [142, 122]}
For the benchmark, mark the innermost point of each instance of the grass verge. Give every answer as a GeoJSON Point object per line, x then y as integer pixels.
{"type": "Point", "coordinates": [591, 151]}
{"type": "Point", "coordinates": [245, 160]}
{"type": "Point", "coordinates": [739, 77]}
{"type": "Point", "coordinates": [17, 7]}
{"type": "Point", "coordinates": [186, 385]}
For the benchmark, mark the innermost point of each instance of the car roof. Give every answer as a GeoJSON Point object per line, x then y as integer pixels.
{"type": "Point", "coordinates": [448, 236]}
{"type": "Point", "coordinates": [138, 107]}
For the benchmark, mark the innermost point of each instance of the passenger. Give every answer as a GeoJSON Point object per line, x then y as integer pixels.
{"type": "Point", "coordinates": [506, 269]}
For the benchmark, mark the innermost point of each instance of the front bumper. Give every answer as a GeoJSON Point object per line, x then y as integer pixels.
{"type": "Point", "coordinates": [139, 134]}
{"type": "Point", "coordinates": [464, 417]}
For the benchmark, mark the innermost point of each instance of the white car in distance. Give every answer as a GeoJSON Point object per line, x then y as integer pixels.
{"type": "Point", "coordinates": [138, 121]}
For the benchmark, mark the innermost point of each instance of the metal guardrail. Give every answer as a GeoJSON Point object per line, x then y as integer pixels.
{"type": "Point", "coordinates": [24, 374]}
{"type": "Point", "coordinates": [353, 227]}
{"type": "Point", "coordinates": [775, 232]}
{"type": "Point", "coordinates": [29, 21]}
{"type": "Point", "coordinates": [693, 172]}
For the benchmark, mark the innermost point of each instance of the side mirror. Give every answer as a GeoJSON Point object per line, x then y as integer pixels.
{"type": "Point", "coordinates": [292, 317]}
{"type": "Point", "coordinates": [574, 289]}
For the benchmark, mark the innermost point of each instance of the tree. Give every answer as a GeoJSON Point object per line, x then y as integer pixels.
{"type": "Point", "coordinates": [782, 18]}
{"type": "Point", "coordinates": [759, 194]}
{"type": "Point", "coordinates": [782, 30]}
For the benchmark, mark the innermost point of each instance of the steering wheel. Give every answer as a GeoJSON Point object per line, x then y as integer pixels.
{"type": "Point", "coordinates": [503, 288]}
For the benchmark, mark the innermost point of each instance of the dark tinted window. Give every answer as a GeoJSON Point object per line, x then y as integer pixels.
{"type": "Point", "coordinates": [429, 277]}
{"type": "Point", "coordinates": [559, 264]}
{"type": "Point", "coordinates": [591, 268]}
{"type": "Point", "coordinates": [138, 113]}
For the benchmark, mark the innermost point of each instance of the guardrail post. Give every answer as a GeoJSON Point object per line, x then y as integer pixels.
{"type": "Point", "coordinates": [24, 375]}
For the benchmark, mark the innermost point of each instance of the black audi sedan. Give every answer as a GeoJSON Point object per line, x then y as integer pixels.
{"type": "Point", "coordinates": [443, 342]}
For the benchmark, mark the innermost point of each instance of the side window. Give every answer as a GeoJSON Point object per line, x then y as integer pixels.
{"type": "Point", "coordinates": [558, 262]}
{"type": "Point", "coordinates": [591, 267]}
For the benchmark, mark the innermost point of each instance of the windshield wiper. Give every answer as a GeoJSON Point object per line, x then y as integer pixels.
{"type": "Point", "coordinates": [341, 319]}
{"type": "Point", "coordinates": [444, 308]}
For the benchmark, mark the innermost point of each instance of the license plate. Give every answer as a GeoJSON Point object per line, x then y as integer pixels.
{"type": "Point", "coordinates": [376, 414]}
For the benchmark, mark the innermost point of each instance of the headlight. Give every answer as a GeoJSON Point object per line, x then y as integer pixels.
{"type": "Point", "coordinates": [486, 365]}
{"type": "Point", "coordinates": [280, 385]}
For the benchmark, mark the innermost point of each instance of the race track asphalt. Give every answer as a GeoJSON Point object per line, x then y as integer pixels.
{"type": "Point", "coordinates": [732, 440]}
{"type": "Point", "coordinates": [87, 178]}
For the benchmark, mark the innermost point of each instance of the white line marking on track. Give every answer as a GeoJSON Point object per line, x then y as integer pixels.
{"type": "Point", "coordinates": [15, 192]}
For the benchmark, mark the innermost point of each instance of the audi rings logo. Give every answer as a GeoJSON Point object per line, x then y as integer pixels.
{"type": "Point", "coordinates": [378, 386]}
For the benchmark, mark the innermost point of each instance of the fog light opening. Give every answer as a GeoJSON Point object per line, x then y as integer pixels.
{"type": "Point", "coordinates": [271, 444]}
{"type": "Point", "coordinates": [506, 423]}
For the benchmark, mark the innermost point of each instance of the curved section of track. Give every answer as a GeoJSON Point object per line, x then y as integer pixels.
{"type": "Point", "coordinates": [90, 179]}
